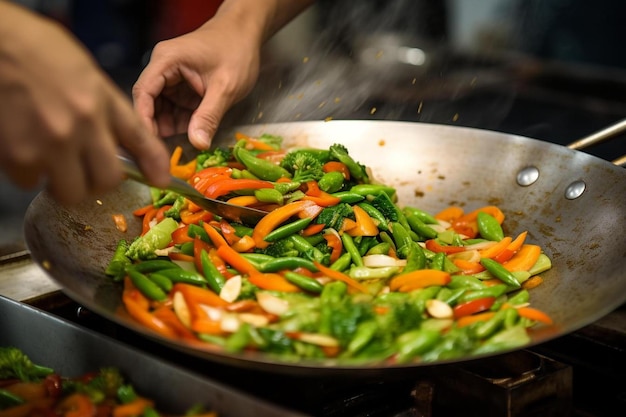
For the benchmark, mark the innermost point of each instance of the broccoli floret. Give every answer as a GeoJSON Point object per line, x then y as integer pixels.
{"type": "Point", "coordinates": [281, 248]}
{"type": "Point", "coordinates": [116, 267]}
{"type": "Point", "coordinates": [162, 198]}
{"type": "Point", "coordinates": [333, 216]}
{"type": "Point", "coordinates": [103, 385]}
{"type": "Point", "coordinates": [303, 165]}
{"type": "Point", "coordinates": [15, 364]}
{"type": "Point", "coordinates": [174, 211]}
{"type": "Point", "coordinates": [213, 158]}
{"type": "Point", "coordinates": [357, 171]}
{"type": "Point", "coordinates": [158, 237]}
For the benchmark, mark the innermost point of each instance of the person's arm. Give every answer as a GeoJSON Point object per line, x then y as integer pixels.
{"type": "Point", "coordinates": [192, 80]}
{"type": "Point", "coordinates": [61, 118]}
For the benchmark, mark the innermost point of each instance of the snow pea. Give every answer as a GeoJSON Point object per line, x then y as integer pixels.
{"type": "Point", "coordinates": [342, 263]}
{"type": "Point", "coordinates": [497, 270]}
{"type": "Point", "coordinates": [375, 214]}
{"type": "Point", "coordinates": [145, 285]}
{"type": "Point", "coordinates": [348, 197]}
{"type": "Point", "coordinates": [162, 281]}
{"type": "Point", "coordinates": [493, 291]}
{"type": "Point", "coordinates": [304, 246]}
{"type": "Point", "coordinates": [419, 227]}
{"type": "Point", "coordinates": [304, 282]}
{"type": "Point", "coordinates": [521, 297]}
{"type": "Point", "coordinates": [420, 214]}
{"type": "Point", "coordinates": [415, 258]}
{"type": "Point", "coordinates": [287, 230]}
{"type": "Point", "coordinates": [184, 275]}
{"type": "Point", "coordinates": [365, 273]}
{"type": "Point", "coordinates": [381, 248]}
{"type": "Point", "coordinates": [488, 227]}
{"type": "Point", "coordinates": [331, 182]}
{"type": "Point", "coordinates": [195, 230]}
{"type": "Point", "coordinates": [269, 195]}
{"type": "Point", "coordinates": [401, 238]}
{"type": "Point", "coordinates": [241, 230]}
{"type": "Point", "coordinates": [153, 265]}
{"type": "Point", "coordinates": [362, 336]}
{"type": "Point", "coordinates": [415, 342]}
{"type": "Point", "coordinates": [450, 296]}
{"type": "Point", "coordinates": [510, 338]}
{"type": "Point", "coordinates": [511, 317]}
{"type": "Point", "coordinates": [491, 326]}
{"type": "Point", "coordinates": [373, 189]}
{"type": "Point", "coordinates": [213, 276]}
{"type": "Point", "coordinates": [260, 167]}
{"type": "Point", "coordinates": [287, 262]}
{"type": "Point", "coordinates": [437, 261]}
{"type": "Point", "coordinates": [350, 247]}
{"type": "Point", "coordinates": [237, 341]}
{"type": "Point", "coordinates": [466, 281]}
{"type": "Point", "coordinates": [187, 248]}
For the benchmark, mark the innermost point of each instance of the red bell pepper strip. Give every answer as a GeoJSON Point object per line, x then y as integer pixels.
{"type": "Point", "coordinates": [473, 306]}
{"type": "Point", "coordinates": [225, 186]}
{"type": "Point", "coordinates": [435, 246]}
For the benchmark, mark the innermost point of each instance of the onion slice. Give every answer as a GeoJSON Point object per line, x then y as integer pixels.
{"type": "Point", "coordinates": [380, 261]}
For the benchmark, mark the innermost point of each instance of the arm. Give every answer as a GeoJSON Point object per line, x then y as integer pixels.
{"type": "Point", "coordinates": [61, 118]}
{"type": "Point", "coordinates": [192, 80]}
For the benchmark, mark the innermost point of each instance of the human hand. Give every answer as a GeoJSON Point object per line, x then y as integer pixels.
{"type": "Point", "coordinates": [61, 118]}
{"type": "Point", "coordinates": [192, 80]}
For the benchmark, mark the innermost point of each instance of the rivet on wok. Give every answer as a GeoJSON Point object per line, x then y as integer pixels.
{"type": "Point", "coordinates": [527, 176]}
{"type": "Point", "coordinates": [575, 190]}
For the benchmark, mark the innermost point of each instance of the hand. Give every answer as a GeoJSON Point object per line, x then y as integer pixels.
{"type": "Point", "coordinates": [61, 118]}
{"type": "Point", "coordinates": [192, 80]}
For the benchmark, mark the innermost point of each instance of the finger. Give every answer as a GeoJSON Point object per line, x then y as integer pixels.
{"type": "Point", "coordinates": [207, 117]}
{"type": "Point", "coordinates": [148, 151]}
{"type": "Point", "coordinates": [103, 170]}
{"type": "Point", "coordinates": [66, 177]}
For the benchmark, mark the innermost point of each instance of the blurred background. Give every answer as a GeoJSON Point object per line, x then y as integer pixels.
{"type": "Point", "coordinates": [553, 71]}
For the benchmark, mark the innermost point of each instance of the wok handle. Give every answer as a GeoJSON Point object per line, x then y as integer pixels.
{"type": "Point", "coordinates": [600, 136]}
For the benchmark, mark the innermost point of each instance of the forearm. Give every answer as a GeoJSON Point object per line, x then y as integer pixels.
{"type": "Point", "coordinates": [264, 18]}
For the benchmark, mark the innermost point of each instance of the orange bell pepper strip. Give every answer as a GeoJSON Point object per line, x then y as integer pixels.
{"type": "Point", "coordinates": [420, 278]}
{"type": "Point", "coordinates": [243, 200]}
{"type": "Point", "coordinates": [272, 282]}
{"type": "Point", "coordinates": [195, 295]}
{"type": "Point", "coordinates": [449, 214]}
{"type": "Point", "coordinates": [275, 218]}
{"type": "Point", "coordinates": [313, 229]}
{"type": "Point", "coordinates": [147, 219]}
{"type": "Point", "coordinates": [181, 235]}
{"type": "Point", "coordinates": [234, 259]}
{"type": "Point", "coordinates": [228, 232]}
{"type": "Point", "coordinates": [510, 250]}
{"type": "Point", "coordinates": [244, 244]}
{"type": "Point", "coordinates": [160, 213]}
{"type": "Point", "coordinates": [335, 244]}
{"type": "Point", "coordinates": [492, 210]}
{"type": "Point", "coordinates": [340, 276]}
{"type": "Point", "coordinates": [141, 211]}
{"type": "Point", "coordinates": [215, 236]}
{"type": "Point", "coordinates": [524, 259]}
{"type": "Point", "coordinates": [468, 267]}
{"type": "Point", "coordinates": [146, 318]}
{"type": "Point", "coordinates": [227, 185]}
{"type": "Point", "coordinates": [336, 166]}
{"type": "Point", "coordinates": [206, 325]}
{"type": "Point", "coordinates": [185, 171]}
{"type": "Point", "coordinates": [532, 282]}
{"type": "Point", "coordinates": [473, 318]}
{"type": "Point", "coordinates": [189, 217]}
{"type": "Point", "coordinates": [169, 317]}
{"type": "Point", "coordinates": [324, 199]}
{"type": "Point", "coordinates": [365, 225]}
{"type": "Point", "coordinates": [534, 314]}
{"type": "Point", "coordinates": [493, 251]}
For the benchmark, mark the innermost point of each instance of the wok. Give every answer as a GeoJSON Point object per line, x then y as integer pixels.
{"type": "Point", "coordinates": [571, 203]}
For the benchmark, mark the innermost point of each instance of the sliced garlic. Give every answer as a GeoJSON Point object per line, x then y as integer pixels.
{"type": "Point", "coordinates": [318, 339]}
{"type": "Point", "coordinates": [181, 309]}
{"type": "Point", "coordinates": [213, 313]}
{"type": "Point", "coordinates": [231, 289]}
{"type": "Point", "coordinates": [257, 320]}
{"type": "Point", "coordinates": [271, 303]}
{"type": "Point", "coordinates": [439, 309]}
{"type": "Point", "coordinates": [230, 323]}
{"type": "Point", "coordinates": [380, 260]}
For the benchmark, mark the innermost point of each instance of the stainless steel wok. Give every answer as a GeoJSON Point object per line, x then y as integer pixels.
{"type": "Point", "coordinates": [571, 203]}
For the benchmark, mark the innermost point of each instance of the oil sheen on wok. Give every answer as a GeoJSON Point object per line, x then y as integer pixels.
{"type": "Point", "coordinates": [337, 272]}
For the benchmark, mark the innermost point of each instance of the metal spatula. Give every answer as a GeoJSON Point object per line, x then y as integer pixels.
{"type": "Point", "coordinates": [245, 215]}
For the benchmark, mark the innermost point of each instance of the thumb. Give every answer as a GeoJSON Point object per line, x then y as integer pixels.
{"type": "Point", "coordinates": [206, 119]}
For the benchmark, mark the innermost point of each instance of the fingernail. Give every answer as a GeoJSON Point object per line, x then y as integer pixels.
{"type": "Point", "coordinates": [202, 138]}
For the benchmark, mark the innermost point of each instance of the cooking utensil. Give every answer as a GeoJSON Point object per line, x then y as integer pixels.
{"type": "Point", "coordinates": [571, 203]}
{"type": "Point", "coordinates": [232, 212]}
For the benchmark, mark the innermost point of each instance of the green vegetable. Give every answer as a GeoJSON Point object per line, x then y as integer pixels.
{"type": "Point", "coordinates": [119, 261]}
{"type": "Point", "coordinates": [339, 152]}
{"type": "Point", "coordinates": [158, 237]}
{"type": "Point", "coordinates": [261, 168]}
{"type": "Point", "coordinates": [213, 276]}
{"type": "Point", "coordinates": [304, 282]}
{"type": "Point", "coordinates": [333, 216]}
{"type": "Point", "coordinates": [287, 229]}
{"type": "Point", "coordinates": [287, 262]}
{"type": "Point", "coordinates": [488, 227]}
{"type": "Point", "coordinates": [375, 214]}
{"type": "Point", "coordinates": [145, 285]}
{"type": "Point", "coordinates": [348, 245]}
{"type": "Point", "coordinates": [331, 182]}
{"type": "Point", "coordinates": [212, 158]}
{"type": "Point", "coordinates": [497, 270]}
{"type": "Point", "coordinates": [303, 166]}
{"type": "Point", "coordinates": [15, 364]}
{"type": "Point", "coordinates": [269, 195]}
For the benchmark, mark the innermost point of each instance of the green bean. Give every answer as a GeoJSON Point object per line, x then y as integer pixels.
{"type": "Point", "coordinates": [162, 281]}
{"type": "Point", "coordinates": [342, 263]}
{"type": "Point", "coordinates": [489, 327]}
{"type": "Point", "coordinates": [493, 291]}
{"type": "Point", "coordinates": [364, 333]}
{"type": "Point", "coordinates": [350, 247]}
{"type": "Point", "coordinates": [184, 275]}
{"type": "Point", "coordinates": [375, 214]}
{"type": "Point", "coordinates": [287, 230]}
{"type": "Point", "coordinates": [381, 248]}
{"type": "Point", "coordinates": [348, 197]}
{"type": "Point", "coordinates": [466, 281]}
{"type": "Point", "coordinates": [488, 227]}
{"type": "Point", "coordinates": [304, 282]}
{"type": "Point", "coordinates": [497, 270]}
{"type": "Point", "coordinates": [287, 262]}
{"type": "Point", "coordinates": [153, 265]}
{"type": "Point", "coordinates": [421, 214]}
{"type": "Point", "coordinates": [213, 276]}
{"type": "Point", "coordinates": [145, 285]}
{"type": "Point", "coordinates": [415, 342]}
{"type": "Point", "coordinates": [261, 168]}
{"type": "Point", "coordinates": [401, 238]}
{"type": "Point", "coordinates": [331, 181]}
{"type": "Point", "coordinates": [421, 228]}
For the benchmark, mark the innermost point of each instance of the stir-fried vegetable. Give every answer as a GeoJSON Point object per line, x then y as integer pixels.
{"type": "Point", "coordinates": [336, 270]}
{"type": "Point", "coordinates": [28, 389]}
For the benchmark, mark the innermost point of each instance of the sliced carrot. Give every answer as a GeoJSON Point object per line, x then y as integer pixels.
{"type": "Point", "coordinates": [467, 320]}
{"type": "Point", "coordinates": [420, 278]}
{"type": "Point", "coordinates": [276, 218]}
{"type": "Point", "coordinates": [189, 217]}
{"type": "Point", "coordinates": [179, 256]}
{"type": "Point", "coordinates": [134, 408]}
{"type": "Point", "coordinates": [468, 267]}
{"type": "Point", "coordinates": [340, 276]}
{"type": "Point", "coordinates": [272, 282]}
{"type": "Point", "coordinates": [313, 229]}
{"type": "Point", "coordinates": [205, 325]}
{"type": "Point", "coordinates": [534, 314]}
{"type": "Point", "coordinates": [195, 295]}
{"type": "Point", "coordinates": [215, 236]}
{"type": "Point", "coordinates": [147, 319]}
{"type": "Point", "coordinates": [141, 211]}
{"type": "Point", "coordinates": [365, 225]}
{"type": "Point", "coordinates": [169, 317]}
{"type": "Point", "coordinates": [199, 245]}
{"type": "Point", "coordinates": [524, 259]}
{"type": "Point", "coordinates": [234, 259]}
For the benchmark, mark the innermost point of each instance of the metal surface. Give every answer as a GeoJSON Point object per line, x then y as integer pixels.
{"type": "Point", "coordinates": [73, 351]}
{"type": "Point", "coordinates": [232, 212]}
{"type": "Point", "coordinates": [431, 166]}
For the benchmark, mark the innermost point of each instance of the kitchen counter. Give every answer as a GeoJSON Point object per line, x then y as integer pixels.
{"type": "Point", "coordinates": [23, 280]}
